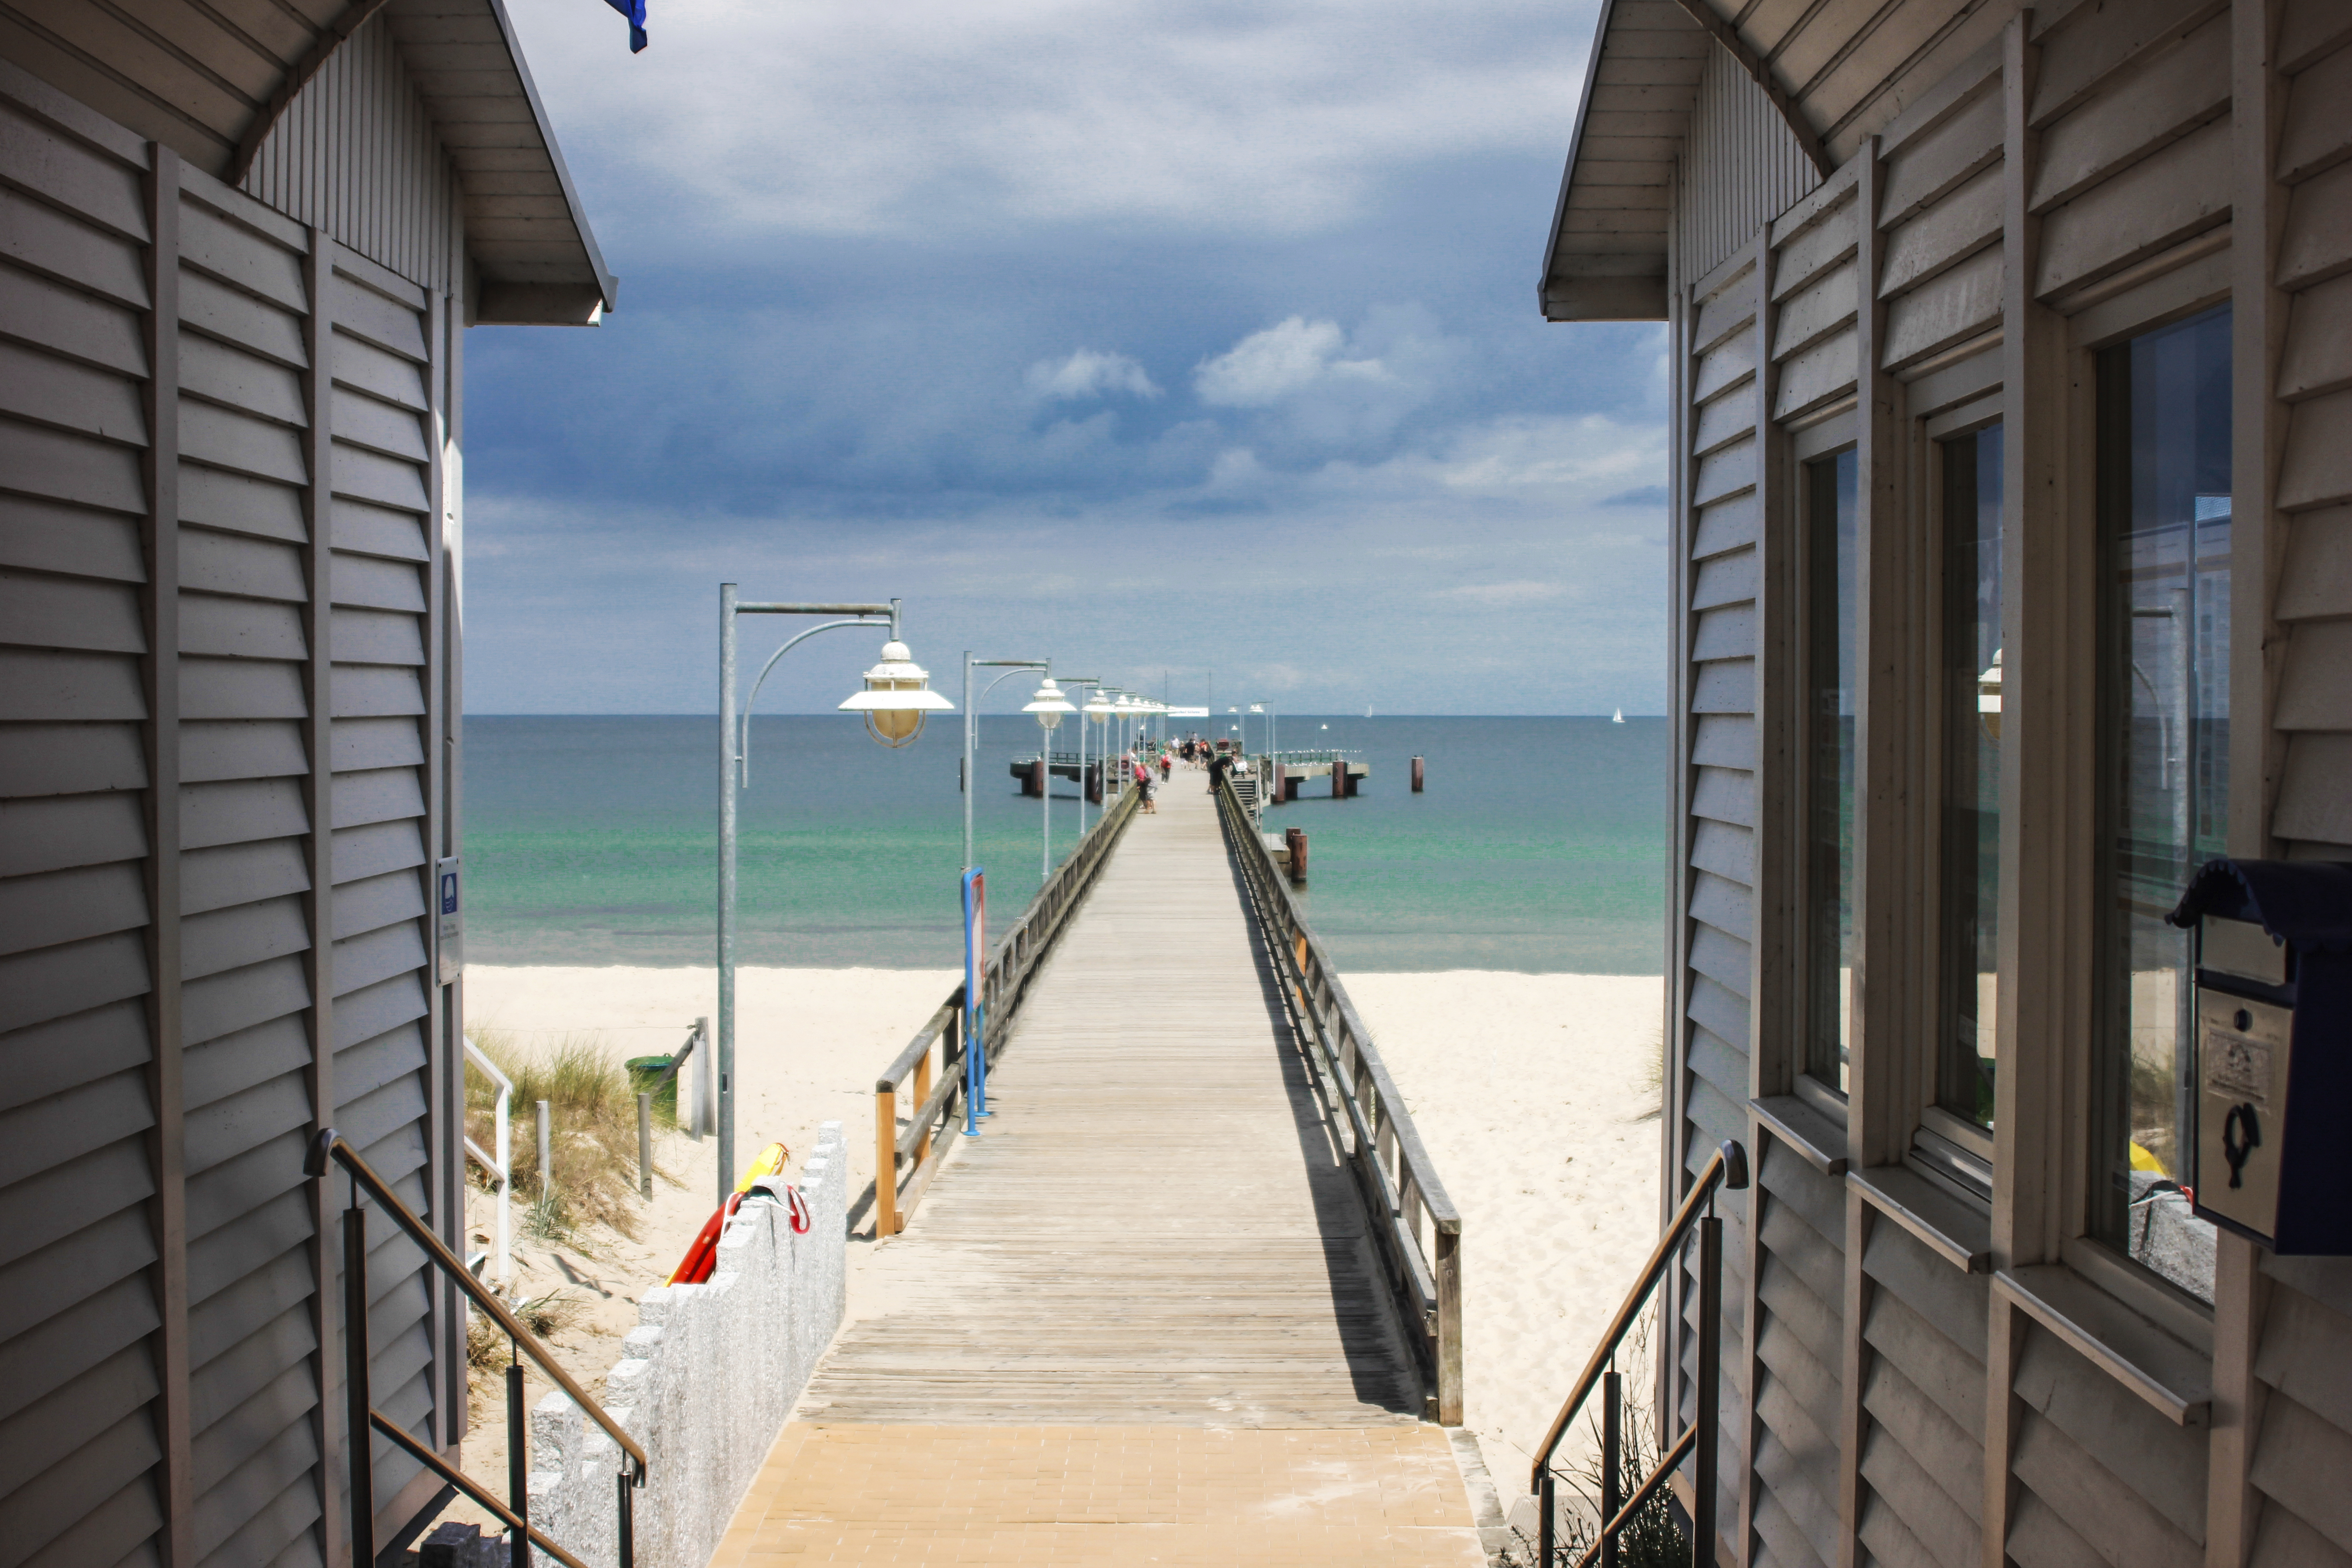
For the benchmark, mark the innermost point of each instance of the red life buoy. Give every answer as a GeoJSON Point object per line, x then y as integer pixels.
{"type": "Point", "coordinates": [702, 1257]}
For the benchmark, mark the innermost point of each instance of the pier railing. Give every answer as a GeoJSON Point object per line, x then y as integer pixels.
{"type": "Point", "coordinates": [1414, 1224]}
{"type": "Point", "coordinates": [929, 1071]}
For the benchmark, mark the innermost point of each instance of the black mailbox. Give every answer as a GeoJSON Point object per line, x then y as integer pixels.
{"type": "Point", "coordinates": [2273, 1050]}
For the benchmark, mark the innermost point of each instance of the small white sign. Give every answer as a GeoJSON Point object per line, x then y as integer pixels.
{"type": "Point", "coordinates": [448, 903]}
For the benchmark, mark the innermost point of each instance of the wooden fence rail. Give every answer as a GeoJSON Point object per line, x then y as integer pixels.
{"type": "Point", "coordinates": [934, 1058]}
{"type": "Point", "coordinates": [1415, 1224]}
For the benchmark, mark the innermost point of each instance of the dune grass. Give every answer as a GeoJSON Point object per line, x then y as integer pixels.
{"type": "Point", "coordinates": [593, 1129]}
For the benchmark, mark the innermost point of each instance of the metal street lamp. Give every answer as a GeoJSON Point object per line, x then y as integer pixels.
{"type": "Point", "coordinates": [971, 725]}
{"type": "Point", "coordinates": [1070, 685]}
{"type": "Point", "coordinates": [1099, 707]}
{"type": "Point", "coordinates": [1048, 705]}
{"type": "Point", "coordinates": [896, 697]}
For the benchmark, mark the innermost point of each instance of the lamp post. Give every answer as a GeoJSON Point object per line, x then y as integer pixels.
{"type": "Point", "coordinates": [1099, 707]}
{"type": "Point", "coordinates": [972, 726]}
{"type": "Point", "coordinates": [896, 697]}
{"type": "Point", "coordinates": [1048, 705]}
{"type": "Point", "coordinates": [1070, 685]}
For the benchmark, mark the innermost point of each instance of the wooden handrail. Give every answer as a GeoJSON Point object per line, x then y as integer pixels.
{"type": "Point", "coordinates": [1728, 1168]}
{"type": "Point", "coordinates": [931, 1131]}
{"type": "Point", "coordinates": [1395, 1177]}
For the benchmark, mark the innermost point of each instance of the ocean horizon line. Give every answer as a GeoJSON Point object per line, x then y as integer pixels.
{"type": "Point", "coordinates": [1014, 713]}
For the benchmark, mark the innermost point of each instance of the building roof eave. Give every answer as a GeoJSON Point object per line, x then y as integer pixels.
{"type": "Point", "coordinates": [1605, 256]}
{"type": "Point", "coordinates": [446, 65]}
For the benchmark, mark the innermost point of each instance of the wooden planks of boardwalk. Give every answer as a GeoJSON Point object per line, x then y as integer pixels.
{"type": "Point", "coordinates": [1154, 1227]}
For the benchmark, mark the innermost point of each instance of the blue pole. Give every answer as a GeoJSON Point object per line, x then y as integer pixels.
{"type": "Point", "coordinates": [975, 971]}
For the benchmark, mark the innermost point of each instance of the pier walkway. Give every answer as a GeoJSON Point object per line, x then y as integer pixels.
{"type": "Point", "coordinates": [1138, 1319]}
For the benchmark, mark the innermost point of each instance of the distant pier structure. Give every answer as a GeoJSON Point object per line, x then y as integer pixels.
{"type": "Point", "coordinates": [1288, 772]}
{"type": "Point", "coordinates": [1061, 766]}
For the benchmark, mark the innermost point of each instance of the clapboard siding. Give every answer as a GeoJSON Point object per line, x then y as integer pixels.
{"type": "Point", "coordinates": [2112, 131]}
{"type": "Point", "coordinates": [2300, 1455]}
{"type": "Point", "coordinates": [382, 476]}
{"type": "Point", "coordinates": [247, 664]}
{"type": "Point", "coordinates": [2127, 1495]}
{"type": "Point", "coordinates": [1923, 1400]}
{"type": "Point", "coordinates": [78, 1374]}
{"type": "Point", "coordinates": [2313, 810]}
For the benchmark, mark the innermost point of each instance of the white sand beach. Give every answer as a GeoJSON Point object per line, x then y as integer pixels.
{"type": "Point", "coordinates": [1535, 1093]}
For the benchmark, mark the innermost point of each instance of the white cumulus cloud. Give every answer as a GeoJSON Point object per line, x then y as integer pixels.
{"type": "Point", "coordinates": [1086, 373]}
{"type": "Point", "coordinates": [1292, 356]}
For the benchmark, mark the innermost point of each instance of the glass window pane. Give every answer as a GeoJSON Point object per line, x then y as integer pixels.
{"type": "Point", "coordinates": [1830, 679]}
{"type": "Point", "coordinates": [2164, 716]}
{"type": "Point", "coordinates": [1971, 828]}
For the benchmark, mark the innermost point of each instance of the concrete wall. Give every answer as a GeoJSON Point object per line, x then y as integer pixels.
{"type": "Point", "coordinates": [712, 1371]}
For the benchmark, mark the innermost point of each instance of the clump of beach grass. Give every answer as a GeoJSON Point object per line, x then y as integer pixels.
{"type": "Point", "coordinates": [1653, 1076]}
{"type": "Point", "coordinates": [593, 1115]}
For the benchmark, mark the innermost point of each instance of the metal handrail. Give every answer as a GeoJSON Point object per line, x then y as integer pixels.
{"type": "Point", "coordinates": [1725, 1169]}
{"type": "Point", "coordinates": [331, 1147]}
{"type": "Point", "coordinates": [502, 1167]}
{"type": "Point", "coordinates": [1379, 1131]}
{"type": "Point", "coordinates": [933, 1131]}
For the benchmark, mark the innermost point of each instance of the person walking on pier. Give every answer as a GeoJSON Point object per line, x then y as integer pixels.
{"type": "Point", "coordinates": [1143, 783]}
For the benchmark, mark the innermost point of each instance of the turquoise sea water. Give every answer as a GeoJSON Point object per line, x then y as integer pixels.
{"type": "Point", "coordinates": [1539, 847]}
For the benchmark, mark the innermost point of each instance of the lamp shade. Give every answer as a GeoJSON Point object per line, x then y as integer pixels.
{"type": "Point", "coordinates": [896, 697]}
{"type": "Point", "coordinates": [1048, 704]}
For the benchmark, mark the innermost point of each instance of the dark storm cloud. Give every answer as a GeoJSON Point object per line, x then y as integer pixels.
{"type": "Point", "coordinates": [1214, 346]}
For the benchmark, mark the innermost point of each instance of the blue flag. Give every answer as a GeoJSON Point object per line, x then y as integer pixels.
{"type": "Point", "coordinates": [634, 10]}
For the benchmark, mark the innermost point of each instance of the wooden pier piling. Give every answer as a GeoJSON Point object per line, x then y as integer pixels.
{"type": "Point", "coordinates": [1416, 776]}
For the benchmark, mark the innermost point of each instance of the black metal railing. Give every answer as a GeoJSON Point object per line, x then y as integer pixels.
{"type": "Point", "coordinates": [1726, 1168]}
{"type": "Point", "coordinates": [1414, 1225]}
{"type": "Point", "coordinates": [330, 1148]}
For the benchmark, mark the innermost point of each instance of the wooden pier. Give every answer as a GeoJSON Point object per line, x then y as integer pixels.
{"type": "Point", "coordinates": [1141, 1316]}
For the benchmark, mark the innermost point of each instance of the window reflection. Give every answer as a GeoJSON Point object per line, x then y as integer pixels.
{"type": "Point", "coordinates": [1831, 563]}
{"type": "Point", "coordinates": [2163, 495]}
{"type": "Point", "coordinates": [1971, 828]}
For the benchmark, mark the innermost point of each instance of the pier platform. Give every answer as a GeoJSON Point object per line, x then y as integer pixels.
{"type": "Point", "coordinates": [1139, 1317]}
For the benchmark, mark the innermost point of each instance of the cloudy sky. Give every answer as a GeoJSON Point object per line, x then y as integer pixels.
{"type": "Point", "coordinates": [1148, 336]}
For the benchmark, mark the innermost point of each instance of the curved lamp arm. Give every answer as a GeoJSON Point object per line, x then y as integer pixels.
{"type": "Point", "coordinates": [1026, 667]}
{"type": "Point", "coordinates": [744, 747]}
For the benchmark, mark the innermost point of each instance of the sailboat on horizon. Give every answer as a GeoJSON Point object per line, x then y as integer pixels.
{"type": "Point", "coordinates": [1618, 717]}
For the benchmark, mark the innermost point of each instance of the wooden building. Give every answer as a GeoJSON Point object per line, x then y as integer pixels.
{"type": "Point", "coordinates": [240, 241]}
{"type": "Point", "coordinates": [2011, 560]}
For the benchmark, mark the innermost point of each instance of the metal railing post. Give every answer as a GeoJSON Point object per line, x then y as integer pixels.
{"type": "Point", "coordinates": [645, 1147]}
{"type": "Point", "coordinates": [517, 1470]}
{"type": "Point", "coordinates": [330, 1148]}
{"type": "Point", "coordinates": [1710, 1378]}
{"type": "Point", "coordinates": [357, 1401]}
{"type": "Point", "coordinates": [1612, 1405]}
